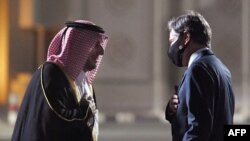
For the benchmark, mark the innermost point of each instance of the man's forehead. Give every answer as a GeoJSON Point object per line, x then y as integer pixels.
{"type": "Point", "coordinates": [173, 34]}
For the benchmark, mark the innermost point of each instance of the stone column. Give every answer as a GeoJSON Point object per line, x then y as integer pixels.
{"type": "Point", "coordinates": [159, 81]}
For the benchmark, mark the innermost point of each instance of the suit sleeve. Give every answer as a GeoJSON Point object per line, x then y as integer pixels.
{"type": "Point", "coordinates": [200, 103]}
{"type": "Point", "coordinates": [168, 114]}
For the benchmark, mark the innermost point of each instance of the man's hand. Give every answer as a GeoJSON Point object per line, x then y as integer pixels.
{"type": "Point", "coordinates": [173, 103]}
{"type": "Point", "coordinates": [172, 106]}
{"type": "Point", "coordinates": [91, 103]}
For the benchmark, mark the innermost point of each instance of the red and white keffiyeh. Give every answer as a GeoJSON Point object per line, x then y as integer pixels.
{"type": "Point", "coordinates": [71, 47]}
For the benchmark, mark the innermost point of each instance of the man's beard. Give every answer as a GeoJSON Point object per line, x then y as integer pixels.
{"type": "Point", "coordinates": [89, 66]}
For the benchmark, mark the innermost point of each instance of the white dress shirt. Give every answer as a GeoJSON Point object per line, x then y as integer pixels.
{"type": "Point", "coordinates": [195, 55]}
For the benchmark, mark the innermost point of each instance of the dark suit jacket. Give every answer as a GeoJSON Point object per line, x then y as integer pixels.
{"type": "Point", "coordinates": [206, 101]}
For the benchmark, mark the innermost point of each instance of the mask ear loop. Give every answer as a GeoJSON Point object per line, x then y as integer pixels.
{"type": "Point", "coordinates": [181, 35]}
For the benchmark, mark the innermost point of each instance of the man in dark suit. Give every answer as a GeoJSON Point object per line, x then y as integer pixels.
{"type": "Point", "coordinates": [204, 99]}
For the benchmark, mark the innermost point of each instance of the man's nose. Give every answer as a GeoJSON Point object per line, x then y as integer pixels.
{"type": "Point", "coordinates": [100, 50]}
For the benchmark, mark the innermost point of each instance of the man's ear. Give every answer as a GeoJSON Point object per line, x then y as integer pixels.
{"type": "Point", "coordinates": [186, 37]}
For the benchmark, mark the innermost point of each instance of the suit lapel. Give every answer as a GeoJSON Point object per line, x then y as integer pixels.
{"type": "Point", "coordinates": [200, 55]}
{"type": "Point", "coordinates": [181, 82]}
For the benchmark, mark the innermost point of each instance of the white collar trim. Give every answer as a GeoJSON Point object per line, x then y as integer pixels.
{"type": "Point", "coordinates": [195, 55]}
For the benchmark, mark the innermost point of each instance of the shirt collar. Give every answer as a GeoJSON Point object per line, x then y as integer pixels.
{"type": "Point", "coordinates": [195, 55]}
{"type": "Point", "coordinates": [81, 78]}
